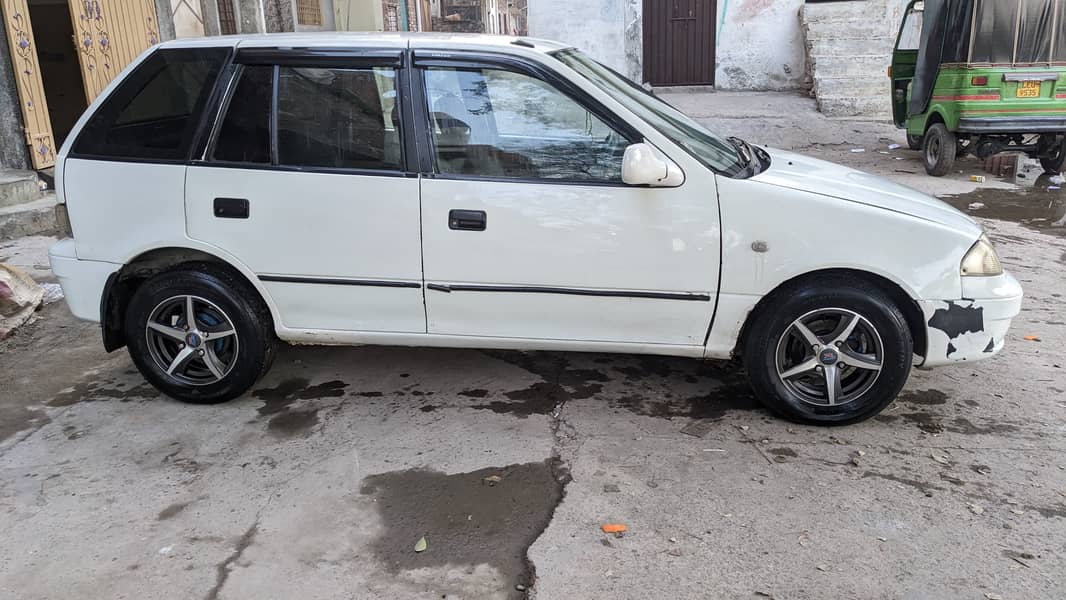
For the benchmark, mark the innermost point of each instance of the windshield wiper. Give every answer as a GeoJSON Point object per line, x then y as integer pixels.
{"type": "Point", "coordinates": [746, 154]}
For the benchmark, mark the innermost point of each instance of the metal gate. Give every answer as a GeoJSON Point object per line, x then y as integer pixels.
{"type": "Point", "coordinates": [109, 35]}
{"type": "Point", "coordinates": [679, 42]}
{"type": "Point", "coordinates": [36, 123]}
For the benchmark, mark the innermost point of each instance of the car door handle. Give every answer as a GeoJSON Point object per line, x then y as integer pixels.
{"type": "Point", "coordinates": [231, 208]}
{"type": "Point", "coordinates": [466, 220]}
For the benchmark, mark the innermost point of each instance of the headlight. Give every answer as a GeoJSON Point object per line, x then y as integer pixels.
{"type": "Point", "coordinates": [981, 260]}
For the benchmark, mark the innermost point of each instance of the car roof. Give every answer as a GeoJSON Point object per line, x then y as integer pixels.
{"type": "Point", "coordinates": [374, 39]}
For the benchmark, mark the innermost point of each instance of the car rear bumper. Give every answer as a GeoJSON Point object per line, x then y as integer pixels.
{"type": "Point", "coordinates": [82, 281]}
{"type": "Point", "coordinates": [972, 328]}
{"type": "Point", "coordinates": [1012, 124]}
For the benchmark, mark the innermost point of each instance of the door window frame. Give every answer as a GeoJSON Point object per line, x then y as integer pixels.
{"type": "Point", "coordinates": [475, 60]}
{"type": "Point", "coordinates": [322, 58]}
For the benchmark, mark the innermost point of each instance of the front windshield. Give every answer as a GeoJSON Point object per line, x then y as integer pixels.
{"type": "Point", "coordinates": [721, 155]}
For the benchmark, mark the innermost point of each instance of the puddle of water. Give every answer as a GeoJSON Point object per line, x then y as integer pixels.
{"type": "Point", "coordinates": [465, 519]}
{"type": "Point", "coordinates": [277, 404]}
{"type": "Point", "coordinates": [1039, 203]}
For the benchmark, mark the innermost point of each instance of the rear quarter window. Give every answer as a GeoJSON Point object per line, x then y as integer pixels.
{"type": "Point", "coordinates": [154, 112]}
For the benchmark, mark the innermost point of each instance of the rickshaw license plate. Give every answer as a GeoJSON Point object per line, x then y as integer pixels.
{"type": "Point", "coordinates": [1028, 89]}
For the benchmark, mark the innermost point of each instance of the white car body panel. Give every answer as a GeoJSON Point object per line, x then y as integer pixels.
{"type": "Point", "coordinates": [320, 226]}
{"type": "Point", "coordinates": [800, 216]}
{"type": "Point", "coordinates": [599, 239]}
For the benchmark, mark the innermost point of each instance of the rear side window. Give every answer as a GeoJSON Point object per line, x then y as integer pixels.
{"type": "Point", "coordinates": [155, 111]}
{"type": "Point", "coordinates": [338, 118]}
{"type": "Point", "coordinates": [245, 132]}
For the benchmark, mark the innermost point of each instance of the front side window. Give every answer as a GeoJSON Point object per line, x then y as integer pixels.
{"type": "Point", "coordinates": [710, 149]}
{"type": "Point", "coordinates": [155, 111]}
{"type": "Point", "coordinates": [498, 123]}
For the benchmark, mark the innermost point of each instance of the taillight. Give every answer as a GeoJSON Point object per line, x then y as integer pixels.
{"type": "Point", "coordinates": [981, 80]}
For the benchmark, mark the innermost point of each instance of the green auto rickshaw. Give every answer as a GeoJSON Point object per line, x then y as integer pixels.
{"type": "Point", "coordinates": [981, 77]}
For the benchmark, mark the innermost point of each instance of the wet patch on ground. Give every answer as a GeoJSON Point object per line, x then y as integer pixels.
{"type": "Point", "coordinates": [1041, 207]}
{"type": "Point", "coordinates": [730, 390]}
{"type": "Point", "coordinates": [102, 390]}
{"type": "Point", "coordinates": [14, 419]}
{"type": "Point", "coordinates": [934, 423]}
{"type": "Point", "coordinates": [173, 510]}
{"type": "Point", "coordinates": [277, 404]}
{"type": "Point", "coordinates": [923, 397]}
{"type": "Point", "coordinates": [465, 518]}
{"type": "Point", "coordinates": [561, 384]}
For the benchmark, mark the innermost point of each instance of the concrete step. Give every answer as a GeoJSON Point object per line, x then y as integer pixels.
{"type": "Point", "coordinates": [869, 87]}
{"type": "Point", "coordinates": [29, 218]}
{"type": "Point", "coordinates": [840, 29]}
{"type": "Point", "coordinates": [855, 66]}
{"type": "Point", "coordinates": [18, 187]}
{"type": "Point", "coordinates": [854, 13]}
{"type": "Point", "coordinates": [850, 106]}
{"type": "Point", "coordinates": [848, 47]}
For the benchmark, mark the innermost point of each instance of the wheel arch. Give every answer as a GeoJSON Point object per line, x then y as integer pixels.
{"type": "Point", "coordinates": [122, 284]}
{"type": "Point", "coordinates": [906, 303]}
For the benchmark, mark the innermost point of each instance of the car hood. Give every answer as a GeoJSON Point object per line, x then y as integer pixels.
{"type": "Point", "coordinates": [807, 174]}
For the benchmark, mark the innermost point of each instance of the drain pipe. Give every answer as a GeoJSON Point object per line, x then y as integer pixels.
{"type": "Point", "coordinates": [405, 23]}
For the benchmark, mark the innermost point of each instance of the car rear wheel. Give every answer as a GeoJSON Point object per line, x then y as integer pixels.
{"type": "Point", "coordinates": [828, 352]}
{"type": "Point", "coordinates": [914, 142]}
{"type": "Point", "coordinates": [939, 149]}
{"type": "Point", "coordinates": [199, 334]}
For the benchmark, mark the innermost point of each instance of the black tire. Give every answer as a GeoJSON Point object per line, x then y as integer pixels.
{"type": "Point", "coordinates": [939, 150]}
{"type": "Point", "coordinates": [914, 142]}
{"type": "Point", "coordinates": [220, 297]}
{"type": "Point", "coordinates": [773, 344]}
{"type": "Point", "coordinates": [1053, 164]}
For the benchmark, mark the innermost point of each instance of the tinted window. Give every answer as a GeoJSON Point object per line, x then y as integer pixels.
{"type": "Point", "coordinates": [338, 118]}
{"type": "Point", "coordinates": [497, 123]}
{"type": "Point", "coordinates": [155, 111]}
{"type": "Point", "coordinates": [245, 132]}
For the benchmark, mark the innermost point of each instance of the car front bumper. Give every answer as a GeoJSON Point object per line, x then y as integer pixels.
{"type": "Point", "coordinates": [973, 327]}
{"type": "Point", "coordinates": [83, 281]}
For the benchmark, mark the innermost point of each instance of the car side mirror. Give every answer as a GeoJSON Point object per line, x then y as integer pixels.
{"type": "Point", "coordinates": [643, 164]}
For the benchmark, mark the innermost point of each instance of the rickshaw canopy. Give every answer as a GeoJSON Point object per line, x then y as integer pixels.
{"type": "Point", "coordinates": [986, 33]}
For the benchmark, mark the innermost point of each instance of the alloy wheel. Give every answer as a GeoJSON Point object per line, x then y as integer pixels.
{"type": "Point", "coordinates": [192, 340]}
{"type": "Point", "coordinates": [829, 357]}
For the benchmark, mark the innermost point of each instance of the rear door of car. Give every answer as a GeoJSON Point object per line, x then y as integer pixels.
{"type": "Point", "coordinates": [305, 180]}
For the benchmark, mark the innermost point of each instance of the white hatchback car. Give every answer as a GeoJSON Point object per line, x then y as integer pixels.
{"type": "Point", "coordinates": [489, 192]}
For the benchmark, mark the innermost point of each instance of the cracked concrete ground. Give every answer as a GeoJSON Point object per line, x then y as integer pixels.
{"type": "Point", "coordinates": [320, 482]}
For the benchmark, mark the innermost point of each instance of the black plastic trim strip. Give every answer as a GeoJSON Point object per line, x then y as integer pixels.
{"type": "Point", "coordinates": [524, 289]}
{"type": "Point", "coordinates": [326, 281]}
{"type": "Point", "coordinates": [319, 57]}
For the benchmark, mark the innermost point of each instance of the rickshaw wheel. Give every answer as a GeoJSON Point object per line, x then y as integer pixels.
{"type": "Point", "coordinates": [1053, 162]}
{"type": "Point", "coordinates": [914, 142]}
{"type": "Point", "coordinates": [939, 149]}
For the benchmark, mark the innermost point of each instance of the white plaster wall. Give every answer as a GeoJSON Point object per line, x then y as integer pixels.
{"type": "Point", "coordinates": [760, 45]}
{"type": "Point", "coordinates": [595, 26]}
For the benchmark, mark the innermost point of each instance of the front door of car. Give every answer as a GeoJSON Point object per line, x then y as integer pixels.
{"type": "Point", "coordinates": [305, 182]}
{"type": "Point", "coordinates": [527, 229]}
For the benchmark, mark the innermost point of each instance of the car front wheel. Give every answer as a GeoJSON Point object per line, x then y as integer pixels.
{"type": "Point", "coordinates": [199, 334]}
{"type": "Point", "coordinates": [829, 353]}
